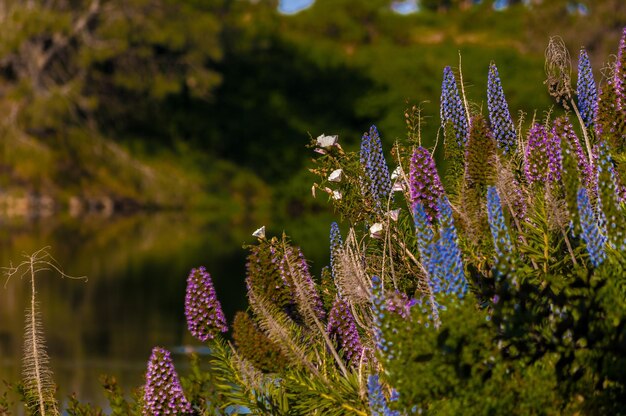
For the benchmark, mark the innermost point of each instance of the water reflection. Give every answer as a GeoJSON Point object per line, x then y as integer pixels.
{"type": "Point", "coordinates": [133, 300]}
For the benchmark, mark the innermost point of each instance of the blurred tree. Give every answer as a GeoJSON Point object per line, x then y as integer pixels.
{"type": "Point", "coordinates": [596, 25]}
{"type": "Point", "coordinates": [68, 61]}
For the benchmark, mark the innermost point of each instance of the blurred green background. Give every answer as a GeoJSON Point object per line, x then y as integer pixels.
{"type": "Point", "coordinates": [141, 138]}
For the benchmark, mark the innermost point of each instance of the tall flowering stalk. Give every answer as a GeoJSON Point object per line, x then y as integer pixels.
{"type": "Point", "coordinates": [202, 308]}
{"type": "Point", "coordinates": [542, 161]}
{"type": "Point", "coordinates": [586, 90]}
{"type": "Point", "coordinates": [594, 239]}
{"type": "Point", "coordinates": [610, 214]}
{"type": "Point", "coordinates": [451, 267]}
{"type": "Point", "coordinates": [425, 185]}
{"type": "Point", "coordinates": [375, 167]}
{"type": "Point", "coordinates": [562, 130]}
{"type": "Point", "coordinates": [429, 255]}
{"type": "Point", "coordinates": [619, 79]}
{"type": "Point", "coordinates": [336, 243]}
{"type": "Point", "coordinates": [451, 109]}
{"type": "Point", "coordinates": [295, 274]}
{"type": "Point", "coordinates": [499, 115]}
{"type": "Point", "coordinates": [377, 401]}
{"type": "Point", "coordinates": [378, 313]}
{"type": "Point", "coordinates": [163, 393]}
{"type": "Point", "coordinates": [502, 242]}
{"type": "Point", "coordinates": [342, 326]}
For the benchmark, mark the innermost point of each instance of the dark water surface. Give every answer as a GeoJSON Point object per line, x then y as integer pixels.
{"type": "Point", "coordinates": [134, 298]}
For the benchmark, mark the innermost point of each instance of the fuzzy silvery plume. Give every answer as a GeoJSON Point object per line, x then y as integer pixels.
{"type": "Point", "coordinates": [202, 308]}
{"type": "Point", "coordinates": [451, 270]}
{"type": "Point", "coordinates": [342, 327]}
{"type": "Point", "coordinates": [425, 185]}
{"type": "Point", "coordinates": [542, 160]}
{"type": "Point", "coordinates": [295, 274]}
{"type": "Point", "coordinates": [499, 231]}
{"type": "Point", "coordinates": [378, 180]}
{"type": "Point", "coordinates": [451, 110]}
{"type": "Point", "coordinates": [499, 116]}
{"type": "Point", "coordinates": [336, 243]}
{"type": "Point", "coordinates": [163, 393]}
{"type": "Point", "coordinates": [591, 233]}
{"type": "Point", "coordinates": [586, 90]}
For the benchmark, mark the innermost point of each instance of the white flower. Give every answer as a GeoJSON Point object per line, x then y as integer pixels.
{"type": "Point", "coordinates": [336, 195]}
{"type": "Point", "coordinates": [260, 233]}
{"type": "Point", "coordinates": [397, 173]}
{"type": "Point", "coordinates": [336, 175]}
{"type": "Point", "coordinates": [376, 230]}
{"type": "Point", "coordinates": [327, 141]}
{"type": "Point", "coordinates": [398, 186]}
{"type": "Point", "coordinates": [394, 214]}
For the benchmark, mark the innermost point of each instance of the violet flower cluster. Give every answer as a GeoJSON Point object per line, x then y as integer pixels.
{"type": "Point", "coordinates": [543, 159]}
{"type": "Point", "coordinates": [452, 107]}
{"type": "Point", "coordinates": [202, 308]}
{"type": "Point", "coordinates": [591, 233]}
{"type": "Point", "coordinates": [342, 326]}
{"type": "Point", "coordinates": [586, 90]}
{"type": "Point", "coordinates": [425, 185]}
{"type": "Point", "coordinates": [499, 116]}
{"type": "Point", "coordinates": [375, 167]}
{"type": "Point", "coordinates": [400, 304]}
{"type": "Point", "coordinates": [163, 394]}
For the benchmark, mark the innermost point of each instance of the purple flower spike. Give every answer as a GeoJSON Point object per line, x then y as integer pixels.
{"type": "Point", "coordinates": [499, 116]}
{"type": "Point", "coordinates": [619, 81]}
{"type": "Point", "coordinates": [542, 161]}
{"type": "Point", "coordinates": [563, 130]}
{"type": "Point", "coordinates": [586, 90]}
{"type": "Point", "coordinates": [425, 184]}
{"type": "Point", "coordinates": [163, 394]}
{"type": "Point", "coordinates": [202, 309]}
{"type": "Point", "coordinates": [342, 326]}
{"type": "Point", "coordinates": [375, 167]}
{"type": "Point", "coordinates": [452, 108]}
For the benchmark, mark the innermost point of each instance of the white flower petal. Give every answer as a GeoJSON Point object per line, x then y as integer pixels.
{"type": "Point", "coordinates": [376, 230]}
{"type": "Point", "coordinates": [397, 173]}
{"type": "Point", "coordinates": [336, 195]}
{"type": "Point", "coordinates": [260, 233]}
{"type": "Point", "coordinates": [336, 176]}
{"type": "Point", "coordinates": [327, 141]}
{"type": "Point", "coordinates": [394, 214]}
{"type": "Point", "coordinates": [398, 186]}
